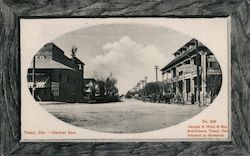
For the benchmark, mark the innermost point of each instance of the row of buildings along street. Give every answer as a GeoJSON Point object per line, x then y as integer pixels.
{"type": "Point", "coordinates": [193, 76]}
{"type": "Point", "coordinates": [52, 76]}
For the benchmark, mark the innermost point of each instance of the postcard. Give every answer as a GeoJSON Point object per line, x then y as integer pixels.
{"type": "Point", "coordinates": [125, 79]}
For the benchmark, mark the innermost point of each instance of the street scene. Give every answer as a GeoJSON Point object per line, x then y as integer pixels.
{"type": "Point", "coordinates": [129, 116]}
{"type": "Point", "coordinates": [127, 82]}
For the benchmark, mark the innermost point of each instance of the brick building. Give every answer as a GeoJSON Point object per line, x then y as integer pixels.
{"type": "Point", "coordinates": [57, 77]}
{"type": "Point", "coordinates": [181, 73]}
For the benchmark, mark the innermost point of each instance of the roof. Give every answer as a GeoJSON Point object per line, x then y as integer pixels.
{"type": "Point", "coordinates": [77, 61]}
{"type": "Point", "coordinates": [49, 64]}
{"type": "Point", "coordinates": [89, 79]}
{"type": "Point", "coordinates": [54, 46]}
{"type": "Point", "coordinates": [191, 42]}
{"type": "Point", "coordinates": [176, 60]}
{"type": "Point", "coordinates": [184, 55]}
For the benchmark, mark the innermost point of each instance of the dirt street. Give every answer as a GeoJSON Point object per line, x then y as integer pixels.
{"type": "Point", "coordinates": [129, 116]}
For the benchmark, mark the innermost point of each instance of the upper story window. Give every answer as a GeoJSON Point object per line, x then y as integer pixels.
{"type": "Point", "coordinates": [174, 72]}
{"type": "Point", "coordinates": [187, 62]}
{"type": "Point", "coordinates": [214, 65]}
{"type": "Point", "coordinates": [180, 73]}
{"type": "Point", "coordinates": [40, 56]}
{"type": "Point", "coordinates": [190, 47]}
{"type": "Point", "coordinates": [79, 66]}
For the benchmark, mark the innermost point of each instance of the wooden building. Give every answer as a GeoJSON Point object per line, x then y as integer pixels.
{"type": "Point", "coordinates": [182, 73]}
{"type": "Point", "coordinates": [56, 77]}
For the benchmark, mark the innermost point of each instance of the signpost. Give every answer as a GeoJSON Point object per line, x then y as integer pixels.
{"type": "Point", "coordinates": [187, 68]}
{"type": "Point", "coordinates": [55, 88]}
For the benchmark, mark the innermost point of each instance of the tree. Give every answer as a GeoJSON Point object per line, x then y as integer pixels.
{"type": "Point", "coordinates": [151, 88]}
{"type": "Point", "coordinates": [165, 87]}
{"type": "Point", "coordinates": [110, 85]}
{"type": "Point", "coordinates": [213, 85]}
{"type": "Point", "coordinates": [98, 76]}
{"type": "Point", "coordinates": [107, 84]}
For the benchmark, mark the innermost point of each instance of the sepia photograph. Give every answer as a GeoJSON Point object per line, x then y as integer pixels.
{"type": "Point", "coordinates": [124, 78]}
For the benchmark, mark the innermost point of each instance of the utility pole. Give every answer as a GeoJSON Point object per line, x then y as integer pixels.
{"type": "Point", "coordinates": [156, 73]}
{"type": "Point", "coordinates": [198, 73]}
{"type": "Point", "coordinates": [145, 83]}
{"type": "Point", "coordinates": [138, 86]}
{"type": "Point", "coordinates": [33, 76]}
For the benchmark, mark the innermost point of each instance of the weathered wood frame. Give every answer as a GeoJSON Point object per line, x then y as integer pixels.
{"type": "Point", "coordinates": [237, 10]}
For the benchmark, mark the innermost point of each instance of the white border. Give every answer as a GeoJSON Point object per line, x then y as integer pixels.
{"type": "Point", "coordinates": [36, 37]}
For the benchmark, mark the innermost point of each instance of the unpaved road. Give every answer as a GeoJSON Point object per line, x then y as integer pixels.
{"type": "Point", "coordinates": [129, 116]}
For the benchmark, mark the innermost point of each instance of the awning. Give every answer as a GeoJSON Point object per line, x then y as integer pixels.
{"type": "Point", "coordinates": [41, 81]}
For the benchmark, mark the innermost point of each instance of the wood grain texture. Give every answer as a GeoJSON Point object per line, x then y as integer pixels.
{"type": "Point", "coordinates": [240, 38]}
{"type": "Point", "coordinates": [10, 82]}
{"type": "Point", "coordinates": [124, 8]}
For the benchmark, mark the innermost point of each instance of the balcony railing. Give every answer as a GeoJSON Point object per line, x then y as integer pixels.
{"type": "Point", "coordinates": [189, 74]}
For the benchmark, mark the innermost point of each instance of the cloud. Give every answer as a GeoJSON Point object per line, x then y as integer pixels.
{"type": "Point", "coordinates": [128, 61]}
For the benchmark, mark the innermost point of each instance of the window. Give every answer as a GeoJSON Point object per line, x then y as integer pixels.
{"type": "Point", "coordinates": [80, 66]}
{"type": "Point", "coordinates": [194, 58]}
{"type": "Point", "coordinates": [40, 56]}
{"type": "Point", "coordinates": [188, 87]}
{"type": "Point", "coordinates": [214, 65]}
{"type": "Point", "coordinates": [187, 62]}
{"type": "Point", "coordinates": [174, 72]}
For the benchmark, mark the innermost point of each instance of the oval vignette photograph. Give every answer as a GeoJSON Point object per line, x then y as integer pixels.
{"type": "Point", "coordinates": [124, 78]}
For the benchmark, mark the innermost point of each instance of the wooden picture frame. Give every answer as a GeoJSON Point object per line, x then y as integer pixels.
{"type": "Point", "coordinates": [237, 10]}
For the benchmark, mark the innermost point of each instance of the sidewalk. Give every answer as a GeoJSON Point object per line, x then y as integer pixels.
{"type": "Point", "coordinates": [50, 102]}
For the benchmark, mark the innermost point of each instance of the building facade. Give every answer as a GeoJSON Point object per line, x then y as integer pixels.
{"type": "Point", "coordinates": [52, 76]}
{"type": "Point", "coordinates": [194, 73]}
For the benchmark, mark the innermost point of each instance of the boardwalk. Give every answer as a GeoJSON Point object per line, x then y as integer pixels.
{"type": "Point", "coordinates": [129, 116]}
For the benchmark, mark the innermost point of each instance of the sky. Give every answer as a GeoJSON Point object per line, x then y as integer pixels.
{"type": "Point", "coordinates": [128, 51]}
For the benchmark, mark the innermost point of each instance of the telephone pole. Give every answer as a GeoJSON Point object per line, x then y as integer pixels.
{"type": "Point", "coordinates": [156, 73]}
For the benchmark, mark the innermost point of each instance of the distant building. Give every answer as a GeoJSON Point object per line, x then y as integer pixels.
{"type": "Point", "coordinates": [89, 86]}
{"type": "Point", "coordinates": [93, 87]}
{"type": "Point", "coordinates": [57, 77]}
{"type": "Point", "coordinates": [181, 73]}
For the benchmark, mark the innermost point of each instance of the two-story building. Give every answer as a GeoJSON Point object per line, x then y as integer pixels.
{"type": "Point", "coordinates": [52, 76]}
{"type": "Point", "coordinates": [182, 73]}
